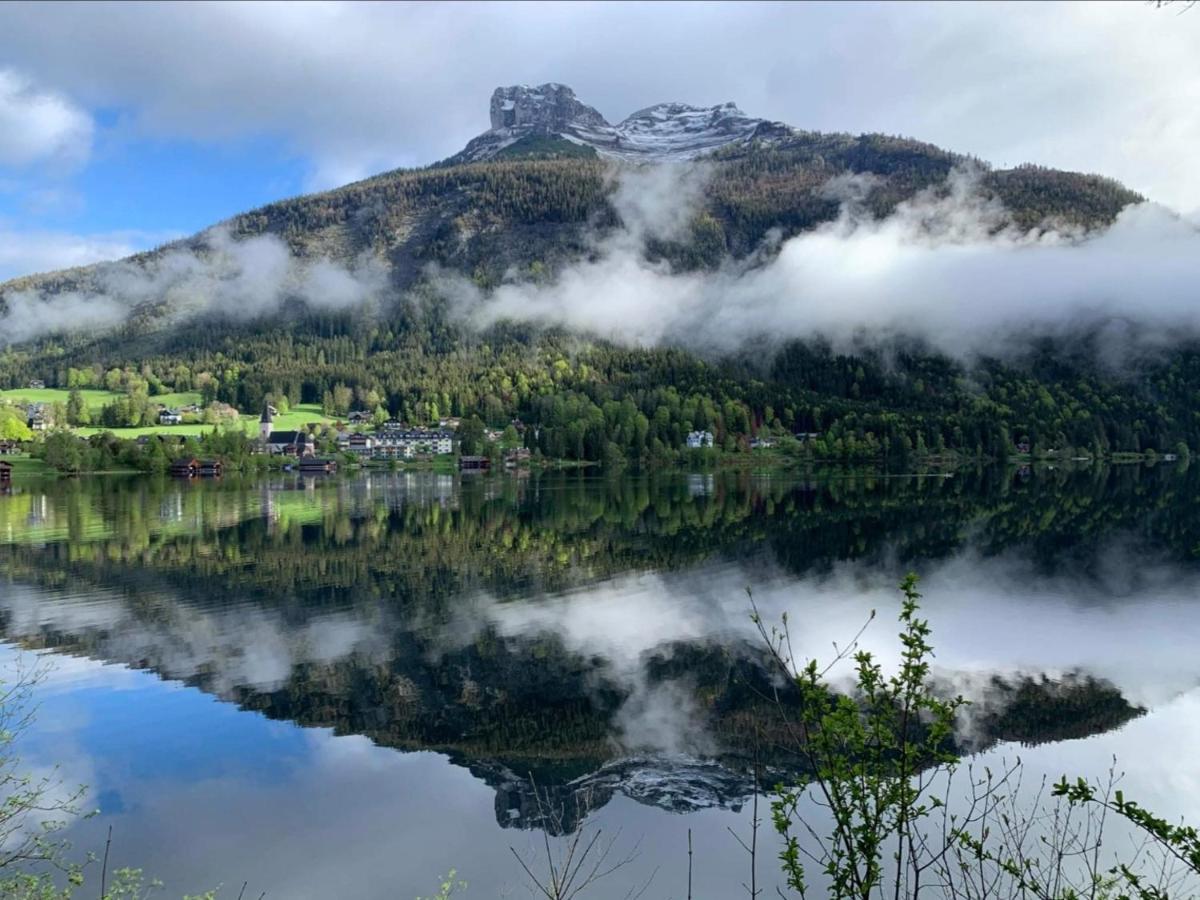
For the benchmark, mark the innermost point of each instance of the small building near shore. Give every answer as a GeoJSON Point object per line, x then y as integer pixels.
{"type": "Point", "coordinates": [185, 468]}
{"type": "Point", "coordinates": [5, 472]}
{"type": "Point", "coordinates": [311, 465]}
{"type": "Point", "coordinates": [474, 464]}
{"type": "Point", "coordinates": [210, 468]}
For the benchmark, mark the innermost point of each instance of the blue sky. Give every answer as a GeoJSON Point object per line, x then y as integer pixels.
{"type": "Point", "coordinates": [122, 126]}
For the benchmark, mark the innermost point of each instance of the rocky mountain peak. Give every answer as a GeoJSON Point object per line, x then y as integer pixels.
{"type": "Point", "coordinates": [547, 107]}
{"type": "Point", "coordinates": [550, 116]}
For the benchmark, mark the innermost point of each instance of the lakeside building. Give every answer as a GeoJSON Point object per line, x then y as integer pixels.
{"type": "Point", "coordinates": [397, 441]}
{"type": "Point", "coordinates": [284, 443]}
{"type": "Point", "coordinates": [291, 443]}
{"type": "Point", "coordinates": [314, 466]}
{"type": "Point", "coordinates": [188, 467]}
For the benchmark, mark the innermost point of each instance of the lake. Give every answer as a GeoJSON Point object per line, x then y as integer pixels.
{"type": "Point", "coordinates": [348, 686]}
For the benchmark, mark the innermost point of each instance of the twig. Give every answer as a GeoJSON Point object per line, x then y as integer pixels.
{"type": "Point", "coordinates": [689, 893]}
{"type": "Point", "coordinates": [104, 866]}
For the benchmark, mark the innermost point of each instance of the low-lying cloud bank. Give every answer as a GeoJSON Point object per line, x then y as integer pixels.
{"type": "Point", "coordinates": [943, 268]}
{"type": "Point", "coordinates": [946, 267]}
{"type": "Point", "coordinates": [238, 279]}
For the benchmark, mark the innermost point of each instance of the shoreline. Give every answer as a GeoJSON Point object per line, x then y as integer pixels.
{"type": "Point", "coordinates": [32, 469]}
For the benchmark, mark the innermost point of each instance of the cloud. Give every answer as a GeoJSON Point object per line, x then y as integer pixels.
{"type": "Point", "coordinates": [25, 250]}
{"type": "Point", "coordinates": [944, 267]}
{"type": "Point", "coordinates": [40, 126]}
{"type": "Point", "coordinates": [1124, 621]}
{"type": "Point", "coordinates": [361, 87]}
{"type": "Point", "coordinates": [219, 275]}
{"type": "Point", "coordinates": [240, 647]}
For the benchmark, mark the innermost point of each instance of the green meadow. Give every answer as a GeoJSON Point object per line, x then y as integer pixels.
{"type": "Point", "coordinates": [93, 399]}
{"type": "Point", "coordinates": [300, 415]}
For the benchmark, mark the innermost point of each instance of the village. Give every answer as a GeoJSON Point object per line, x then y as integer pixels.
{"type": "Point", "coordinates": [303, 438]}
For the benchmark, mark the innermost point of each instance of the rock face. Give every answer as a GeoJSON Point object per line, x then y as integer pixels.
{"type": "Point", "coordinates": [664, 131]}
{"type": "Point", "coordinates": [546, 109]}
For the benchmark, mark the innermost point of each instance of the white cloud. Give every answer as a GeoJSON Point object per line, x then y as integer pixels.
{"type": "Point", "coordinates": [39, 126]}
{"type": "Point", "coordinates": [942, 268]}
{"type": "Point", "coordinates": [358, 88]}
{"type": "Point", "coordinates": [24, 251]}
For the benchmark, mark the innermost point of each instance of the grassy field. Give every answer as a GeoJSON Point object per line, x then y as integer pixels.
{"type": "Point", "coordinates": [299, 416]}
{"type": "Point", "coordinates": [182, 430]}
{"type": "Point", "coordinates": [24, 467]}
{"type": "Point", "coordinates": [93, 399]}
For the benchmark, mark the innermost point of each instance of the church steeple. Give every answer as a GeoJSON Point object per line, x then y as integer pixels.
{"type": "Point", "coordinates": [265, 421]}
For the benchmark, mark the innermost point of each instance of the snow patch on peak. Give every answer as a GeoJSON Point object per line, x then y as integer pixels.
{"type": "Point", "coordinates": [664, 131]}
{"type": "Point", "coordinates": [663, 111]}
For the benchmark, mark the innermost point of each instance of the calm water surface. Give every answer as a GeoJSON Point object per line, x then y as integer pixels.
{"type": "Point", "coordinates": [346, 687]}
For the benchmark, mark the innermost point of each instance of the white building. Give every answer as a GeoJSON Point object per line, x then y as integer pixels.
{"type": "Point", "coordinates": [395, 440]}
{"type": "Point", "coordinates": [698, 439]}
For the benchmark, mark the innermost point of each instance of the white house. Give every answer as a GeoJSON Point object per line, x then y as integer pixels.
{"type": "Point", "coordinates": [698, 439]}
{"type": "Point", "coordinates": [39, 418]}
{"type": "Point", "coordinates": [399, 442]}
{"type": "Point", "coordinates": [169, 417]}
{"type": "Point", "coordinates": [360, 444]}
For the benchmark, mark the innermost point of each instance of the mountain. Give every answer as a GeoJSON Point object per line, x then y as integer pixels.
{"type": "Point", "coordinates": [549, 120]}
{"type": "Point", "coordinates": [339, 298]}
{"type": "Point", "coordinates": [536, 186]}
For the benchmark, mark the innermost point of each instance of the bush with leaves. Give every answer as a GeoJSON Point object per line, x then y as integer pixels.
{"type": "Point", "coordinates": [888, 809]}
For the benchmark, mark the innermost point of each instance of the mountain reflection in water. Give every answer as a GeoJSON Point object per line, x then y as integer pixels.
{"type": "Point", "coordinates": [587, 637]}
